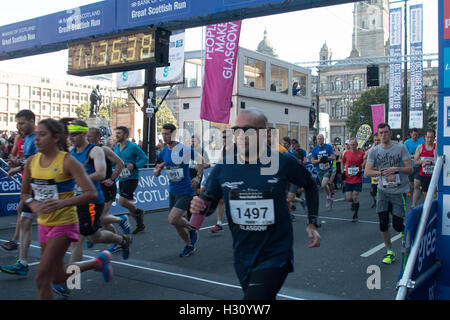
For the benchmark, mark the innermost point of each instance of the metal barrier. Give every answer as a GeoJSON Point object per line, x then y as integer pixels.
{"type": "Point", "coordinates": [6, 172]}
{"type": "Point", "coordinates": [406, 282]}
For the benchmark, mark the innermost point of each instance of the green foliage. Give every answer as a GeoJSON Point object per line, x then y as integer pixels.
{"type": "Point", "coordinates": [163, 116]}
{"type": "Point", "coordinates": [361, 110]}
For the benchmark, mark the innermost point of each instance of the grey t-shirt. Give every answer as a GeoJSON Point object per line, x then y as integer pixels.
{"type": "Point", "coordinates": [393, 156]}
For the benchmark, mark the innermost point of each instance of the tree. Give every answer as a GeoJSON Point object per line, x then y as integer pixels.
{"type": "Point", "coordinates": [164, 115]}
{"type": "Point", "coordinates": [361, 112]}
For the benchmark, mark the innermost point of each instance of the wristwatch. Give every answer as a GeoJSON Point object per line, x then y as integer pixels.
{"type": "Point", "coordinates": [314, 221]}
{"type": "Point", "coordinates": [29, 200]}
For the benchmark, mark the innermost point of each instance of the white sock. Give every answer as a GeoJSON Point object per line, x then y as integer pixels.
{"type": "Point", "coordinates": [219, 222]}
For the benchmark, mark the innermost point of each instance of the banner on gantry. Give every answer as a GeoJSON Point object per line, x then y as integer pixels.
{"type": "Point", "coordinates": [416, 67]}
{"type": "Point", "coordinates": [395, 68]}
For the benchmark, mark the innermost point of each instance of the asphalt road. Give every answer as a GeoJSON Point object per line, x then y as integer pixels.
{"type": "Point", "coordinates": [341, 268]}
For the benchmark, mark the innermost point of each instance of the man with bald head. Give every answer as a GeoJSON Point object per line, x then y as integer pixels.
{"type": "Point", "coordinates": [256, 208]}
{"type": "Point", "coordinates": [322, 157]}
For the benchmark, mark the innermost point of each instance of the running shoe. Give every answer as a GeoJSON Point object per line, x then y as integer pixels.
{"type": "Point", "coordinates": [355, 217]}
{"type": "Point", "coordinates": [104, 261]}
{"type": "Point", "coordinates": [187, 251]}
{"type": "Point", "coordinates": [125, 224]}
{"type": "Point", "coordinates": [217, 228]}
{"type": "Point", "coordinates": [139, 229]}
{"type": "Point", "coordinates": [115, 248]}
{"type": "Point", "coordinates": [126, 246]}
{"type": "Point", "coordinates": [408, 194]}
{"type": "Point", "coordinates": [61, 290]}
{"type": "Point", "coordinates": [139, 221]}
{"type": "Point", "coordinates": [89, 243]}
{"type": "Point", "coordinates": [10, 245]}
{"type": "Point", "coordinates": [16, 268]}
{"type": "Point", "coordinates": [389, 257]}
{"type": "Point", "coordinates": [193, 236]}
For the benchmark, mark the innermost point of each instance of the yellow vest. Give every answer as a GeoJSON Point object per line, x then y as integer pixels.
{"type": "Point", "coordinates": [52, 182]}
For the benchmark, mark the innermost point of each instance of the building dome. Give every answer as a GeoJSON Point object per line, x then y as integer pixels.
{"type": "Point", "coordinates": [265, 46]}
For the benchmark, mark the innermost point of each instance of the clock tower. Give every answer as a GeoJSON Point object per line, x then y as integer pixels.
{"type": "Point", "coordinates": [370, 28]}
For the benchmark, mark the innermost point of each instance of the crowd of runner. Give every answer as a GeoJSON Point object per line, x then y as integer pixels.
{"type": "Point", "coordinates": [70, 179]}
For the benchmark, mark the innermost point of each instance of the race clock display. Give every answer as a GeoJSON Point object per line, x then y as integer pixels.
{"type": "Point", "coordinates": [130, 51]}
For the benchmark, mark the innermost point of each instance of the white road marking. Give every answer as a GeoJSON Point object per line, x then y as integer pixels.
{"type": "Point", "coordinates": [379, 247]}
{"type": "Point", "coordinates": [169, 273]}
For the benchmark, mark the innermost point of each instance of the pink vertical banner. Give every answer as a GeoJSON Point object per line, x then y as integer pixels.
{"type": "Point", "coordinates": [377, 115]}
{"type": "Point", "coordinates": [221, 49]}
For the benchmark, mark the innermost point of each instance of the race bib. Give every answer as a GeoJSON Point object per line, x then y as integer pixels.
{"type": "Point", "coordinates": [375, 179]}
{"type": "Point", "coordinates": [44, 189]}
{"type": "Point", "coordinates": [252, 210]}
{"type": "Point", "coordinates": [391, 181]}
{"type": "Point", "coordinates": [427, 169]}
{"type": "Point", "coordinates": [175, 174]}
{"type": "Point", "coordinates": [352, 170]}
{"type": "Point", "coordinates": [324, 166]}
{"type": "Point", "coordinates": [125, 173]}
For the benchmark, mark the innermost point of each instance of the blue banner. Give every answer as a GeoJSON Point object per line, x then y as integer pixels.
{"type": "Point", "coordinates": [53, 32]}
{"type": "Point", "coordinates": [59, 28]}
{"type": "Point", "coordinates": [416, 67]}
{"type": "Point", "coordinates": [9, 196]}
{"type": "Point", "coordinates": [152, 192]}
{"type": "Point", "coordinates": [427, 250]}
{"type": "Point", "coordinates": [395, 69]}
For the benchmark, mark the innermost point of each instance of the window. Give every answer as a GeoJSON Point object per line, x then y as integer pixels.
{"type": "Point", "coordinates": [3, 90]}
{"type": "Point", "coordinates": [193, 73]}
{"type": "Point", "coordinates": [25, 92]}
{"type": "Point", "coordinates": [356, 84]}
{"type": "Point", "coordinates": [24, 104]}
{"type": "Point", "coordinates": [13, 105]}
{"type": "Point", "coordinates": [75, 96]}
{"type": "Point", "coordinates": [56, 95]}
{"type": "Point", "coordinates": [3, 117]}
{"type": "Point", "coordinates": [338, 84]}
{"type": "Point", "coordinates": [66, 95]}
{"type": "Point", "coordinates": [299, 84]}
{"type": "Point", "coordinates": [254, 73]}
{"type": "Point", "coordinates": [36, 93]}
{"type": "Point", "coordinates": [3, 104]}
{"type": "Point", "coordinates": [13, 91]}
{"type": "Point", "coordinates": [46, 94]}
{"type": "Point", "coordinates": [279, 79]}
{"type": "Point", "coordinates": [36, 106]}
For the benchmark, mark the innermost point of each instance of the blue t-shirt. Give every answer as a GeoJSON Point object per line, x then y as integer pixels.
{"type": "Point", "coordinates": [177, 167]}
{"type": "Point", "coordinates": [88, 164]}
{"type": "Point", "coordinates": [412, 146]}
{"type": "Point", "coordinates": [319, 152]}
{"type": "Point", "coordinates": [29, 148]}
{"type": "Point", "coordinates": [133, 154]}
{"type": "Point", "coordinates": [259, 243]}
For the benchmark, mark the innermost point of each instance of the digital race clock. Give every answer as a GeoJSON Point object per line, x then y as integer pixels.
{"type": "Point", "coordinates": [129, 51]}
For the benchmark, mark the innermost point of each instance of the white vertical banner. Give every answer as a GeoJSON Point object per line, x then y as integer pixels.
{"type": "Point", "coordinates": [174, 73]}
{"type": "Point", "coordinates": [416, 66]}
{"type": "Point", "coordinates": [395, 68]}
